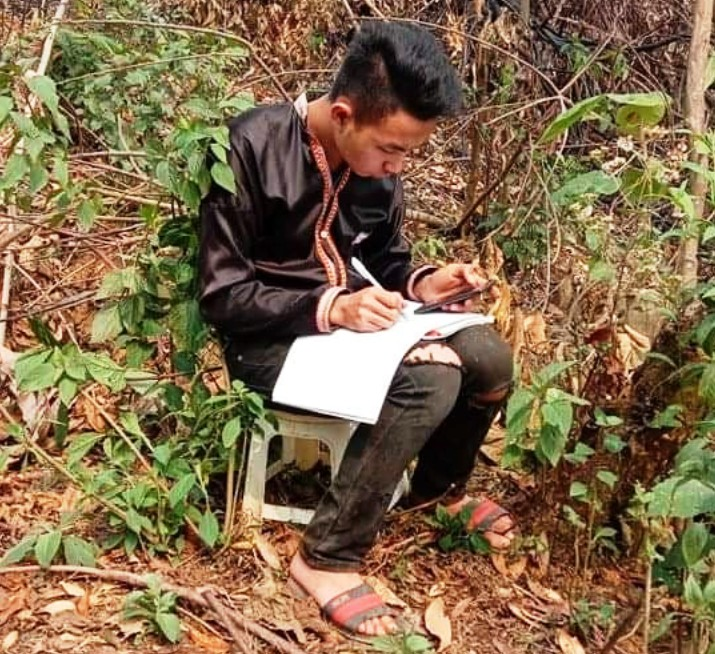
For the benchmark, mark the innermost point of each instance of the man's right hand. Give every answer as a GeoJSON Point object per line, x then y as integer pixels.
{"type": "Point", "coordinates": [368, 310]}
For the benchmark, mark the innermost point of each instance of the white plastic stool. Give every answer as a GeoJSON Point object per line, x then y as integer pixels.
{"type": "Point", "coordinates": [333, 432]}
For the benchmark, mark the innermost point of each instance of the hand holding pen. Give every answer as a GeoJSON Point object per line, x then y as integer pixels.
{"type": "Point", "coordinates": [368, 310]}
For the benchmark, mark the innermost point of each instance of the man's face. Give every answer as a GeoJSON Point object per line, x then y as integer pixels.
{"type": "Point", "coordinates": [378, 149]}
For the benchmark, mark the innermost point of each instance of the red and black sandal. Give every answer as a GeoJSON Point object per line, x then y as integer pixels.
{"type": "Point", "coordinates": [482, 516]}
{"type": "Point", "coordinates": [348, 610]}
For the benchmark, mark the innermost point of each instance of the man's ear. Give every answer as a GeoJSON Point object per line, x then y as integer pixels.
{"type": "Point", "coordinates": [342, 111]}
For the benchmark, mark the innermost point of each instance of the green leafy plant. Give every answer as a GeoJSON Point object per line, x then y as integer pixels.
{"type": "Point", "coordinates": [408, 643]}
{"type": "Point", "coordinates": [539, 418]}
{"type": "Point", "coordinates": [456, 533]}
{"type": "Point", "coordinates": [156, 607]}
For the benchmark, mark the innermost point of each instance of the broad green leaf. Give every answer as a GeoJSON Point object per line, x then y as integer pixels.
{"type": "Point", "coordinates": [78, 551]}
{"type": "Point", "coordinates": [112, 285]}
{"type": "Point", "coordinates": [554, 394]}
{"type": "Point", "coordinates": [613, 443]}
{"type": "Point", "coordinates": [80, 446]}
{"type": "Point", "coordinates": [219, 152]}
{"type": "Point", "coordinates": [86, 215]}
{"type": "Point", "coordinates": [231, 431]}
{"type": "Point", "coordinates": [607, 477]}
{"type": "Point", "coordinates": [187, 326]}
{"type": "Point", "coordinates": [551, 444]}
{"type": "Point", "coordinates": [47, 547]}
{"type": "Point", "coordinates": [706, 388]}
{"type": "Point", "coordinates": [549, 373]}
{"type": "Point", "coordinates": [169, 625]}
{"type": "Point", "coordinates": [130, 421]}
{"type": "Point", "coordinates": [209, 529]}
{"type": "Point", "coordinates": [559, 415]}
{"type": "Point", "coordinates": [102, 369]}
{"type": "Point", "coordinates": [587, 109]}
{"type": "Point", "coordinates": [631, 118]}
{"type": "Point", "coordinates": [693, 543]}
{"type": "Point", "coordinates": [222, 174]}
{"type": "Point", "coordinates": [38, 178]}
{"type": "Point", "coordinates": [15, 169]}
{"type": "Point", "coordinates": [692, 592]}
{"type": "Point", "coordinates": [708, 234]}
{"type": "Point", "coordinates": [579, 491]}
{"type": "Point", "coordinates": [680, 498]}
{"type": "Point", "coordinates": [605, 420]}
{"type": "Point", "coordinates": [709, 73]}
{"type": "Point", "coordinates": [107, 324]}
{"type": "Point", "coordinates": [518, 413]}
{"type": "Point", "coordinates": [653, 99]}
{"type": "Point", "coordinates": [61, 171]}
{"type": "Point", "coordinates": [580, 454]}
{"type": "Point", "coordinates": [181, 489]}
{"type": "Point", "coordinates": [68, 389]}
{"type": "Point", "coordinates": [668, 418]}
{"type": "Point", "coordinates": [709, 596]}
{"type": "Point", "coordinates": [33, 372]}
{"type": "Point", "coordinates": [595, 182]}
{"type": "Point", "coordinates": [17, 553]}
{"type": "Point", "coordinates": [5, 108]}
{"type": "Point", "coordinates": [601, 271]}
{"type": "Point", "coordinates": [44, 88]}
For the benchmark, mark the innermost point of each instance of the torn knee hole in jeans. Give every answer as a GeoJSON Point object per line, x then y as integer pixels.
{"type": "Point", "coordinates": [496, 396]}
{"type": "Point", "coordinates": [433, 353]}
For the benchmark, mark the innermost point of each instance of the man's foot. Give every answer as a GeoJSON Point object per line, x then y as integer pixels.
{"type": "Point", "coordinates": [325, 586]}
{"type": "Point", "coordinates": [495, 522]}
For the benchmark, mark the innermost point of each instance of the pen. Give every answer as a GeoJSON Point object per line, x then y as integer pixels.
{"type": "Point", "coordinates": [364, 272]}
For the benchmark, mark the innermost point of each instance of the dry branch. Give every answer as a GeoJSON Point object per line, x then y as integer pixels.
{"type": "Point", "coordinates": [196, 596]}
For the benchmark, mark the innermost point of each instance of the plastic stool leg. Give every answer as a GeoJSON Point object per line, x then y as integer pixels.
{"type": "Point", "coordinates": [255, 485]}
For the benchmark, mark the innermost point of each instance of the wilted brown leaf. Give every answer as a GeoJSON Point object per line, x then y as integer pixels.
{"type": "Point", "coordinates": [10, 640]}
{"type": "Point", "coordinates": [59, 606]}
{"type": "Point", "coordinates": [267, 551]}
{"type": "Point", "coordinates": [72, 589]}
{"type": "Point", "coordinates": [207, 642]}
{"type": "Point", "coordinates": [385, 592]}
{"type": "Point", "coordinates": [11, 605]}
{"type": "Point", "coordinates": [438, 623]}
{"type": "Point", "coordinates": [569, 644]}
{"type": "Point", "coordinates": [509, 568]}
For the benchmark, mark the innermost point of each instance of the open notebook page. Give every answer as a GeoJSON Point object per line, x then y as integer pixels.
{"type": "Point", "coordinates": [347, 374]}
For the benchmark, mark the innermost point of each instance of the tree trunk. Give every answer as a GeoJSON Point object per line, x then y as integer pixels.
{"type": "Point", "coordinates": [695, 117]}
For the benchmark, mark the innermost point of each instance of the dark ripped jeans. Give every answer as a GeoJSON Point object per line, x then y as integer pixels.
{"type": "Point", "coordinates": [430, 413]}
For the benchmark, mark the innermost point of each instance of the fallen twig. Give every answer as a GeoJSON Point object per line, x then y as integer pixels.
{"type": "Point", "coordinates": [195, 596]}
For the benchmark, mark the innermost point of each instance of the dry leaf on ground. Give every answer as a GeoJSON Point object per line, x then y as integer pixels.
{"type": "Point", "coordinates": [511, 569]}
{"type": "Point", "coordinates": [11, 605]}
{"type": "Point", "coordinates": [72, 589]}
{"type": "Point", "coordinates": [267, 551]}
{"type": "Point", "coordinates": [9, 641]}
{"type": "Point", "coordinates": [438, 624]}
{"type": "Point", "coordinates": [60, 606]}
{"type": "Point", "coordinates": [569, 644]}
{"type": "Point", "coordinates": [207, 642]}
{"type": "Point", "coordinates": [385, 592]}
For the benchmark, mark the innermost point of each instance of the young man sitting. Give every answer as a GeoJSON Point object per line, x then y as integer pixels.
{"type": "Point", "coordinates": [317, 183]}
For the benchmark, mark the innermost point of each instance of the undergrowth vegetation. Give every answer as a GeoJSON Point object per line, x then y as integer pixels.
{"type": "Point", "coordinates": [148, 103]}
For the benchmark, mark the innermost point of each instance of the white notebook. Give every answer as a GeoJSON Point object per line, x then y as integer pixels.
{"type": "Point", "coordinates": [347, 374]}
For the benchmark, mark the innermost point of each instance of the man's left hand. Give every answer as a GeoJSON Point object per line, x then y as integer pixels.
{"type": "Point", "coordinates": [451, 279]}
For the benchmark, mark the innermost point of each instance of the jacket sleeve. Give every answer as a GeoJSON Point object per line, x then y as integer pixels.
{"type": "Point", "coordinates": [230, 296]}
{"type": "Point", "coordinates": [388, 256]}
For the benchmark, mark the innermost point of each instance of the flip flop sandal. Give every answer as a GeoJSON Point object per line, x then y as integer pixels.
{"type": "Point", "coordinates": [348, 610]}
{"type": "Point", "coordinates": [484, 513]}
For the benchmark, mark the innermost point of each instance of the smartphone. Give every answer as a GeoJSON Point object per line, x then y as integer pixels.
{"type": "Point", "coordinates": [462, 296]}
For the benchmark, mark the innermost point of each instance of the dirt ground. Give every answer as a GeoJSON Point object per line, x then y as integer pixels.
{"type": "Point", "coordinates": [491, 605]}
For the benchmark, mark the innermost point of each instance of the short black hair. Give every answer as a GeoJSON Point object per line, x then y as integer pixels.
{"type": "Point", "coordinates": [391, 66]}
